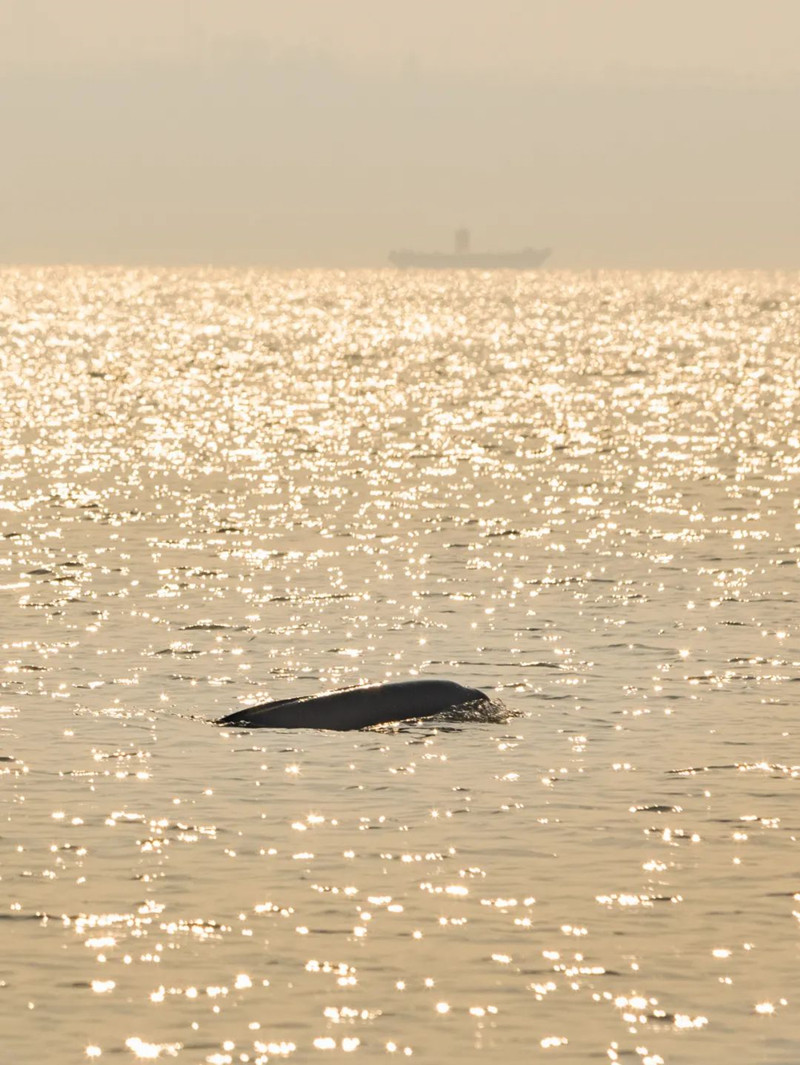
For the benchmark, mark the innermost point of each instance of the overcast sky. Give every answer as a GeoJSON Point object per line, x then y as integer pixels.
{"type": "Point", "coordinates": [324, 132]}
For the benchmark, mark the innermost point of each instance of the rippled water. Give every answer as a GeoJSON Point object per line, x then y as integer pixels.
{"type": "Point", "coordinates": [577, 492]}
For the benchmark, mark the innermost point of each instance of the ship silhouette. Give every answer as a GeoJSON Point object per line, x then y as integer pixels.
{"type": "Point", "coordinates": [461, 256]}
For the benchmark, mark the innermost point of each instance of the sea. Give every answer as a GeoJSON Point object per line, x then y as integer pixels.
{"type": "Point", "coordinates": [575, 491]}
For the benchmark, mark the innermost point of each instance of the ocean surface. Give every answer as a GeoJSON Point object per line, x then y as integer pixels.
{"type": "Point", "coordinates": [578, 492]}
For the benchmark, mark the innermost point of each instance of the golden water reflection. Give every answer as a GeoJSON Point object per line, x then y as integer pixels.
{"type": "Point", "coordinates": [577, 491]}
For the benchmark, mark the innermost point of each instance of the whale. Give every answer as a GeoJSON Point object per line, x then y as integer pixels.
{"type": "Point", "coordinates": [363, 706]}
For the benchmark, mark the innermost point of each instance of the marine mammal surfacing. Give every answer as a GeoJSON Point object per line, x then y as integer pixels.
{"type": "Point", "coordinates": [360, 707]}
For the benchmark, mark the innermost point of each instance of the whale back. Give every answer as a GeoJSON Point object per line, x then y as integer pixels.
{"type": "Point", "coordinates": [359, 707]}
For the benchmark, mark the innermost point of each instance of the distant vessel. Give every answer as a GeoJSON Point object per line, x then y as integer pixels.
{"type": "Point", "coordinates": [461, 256]}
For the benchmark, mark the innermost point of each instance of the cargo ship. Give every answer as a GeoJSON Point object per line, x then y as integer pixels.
{"type": "Point", "coordinates": [462, 257]}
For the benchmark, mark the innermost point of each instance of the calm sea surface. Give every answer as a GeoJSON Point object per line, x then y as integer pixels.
{"type": "Point", "coordinates": [578, 492]}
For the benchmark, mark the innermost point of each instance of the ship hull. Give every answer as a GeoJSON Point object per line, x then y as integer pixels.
{"type": "Point", "coordinates": [526, 259]}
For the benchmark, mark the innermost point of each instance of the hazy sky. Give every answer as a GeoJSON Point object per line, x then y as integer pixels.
{"type": "Point", "coordinates": [622, 133]}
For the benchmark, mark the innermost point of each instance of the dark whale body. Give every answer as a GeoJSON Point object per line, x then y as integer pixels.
{"type": "Point", "coordinates": [353, 708]}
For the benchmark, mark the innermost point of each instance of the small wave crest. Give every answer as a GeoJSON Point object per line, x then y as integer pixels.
{"type": "Point", "coordinates": [479, 711]}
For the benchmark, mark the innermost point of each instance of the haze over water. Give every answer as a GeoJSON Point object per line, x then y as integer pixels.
{"type": "Point", "coordinates": [258, 133]}
{"type": "Point", "coordinates": [575, 491]}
